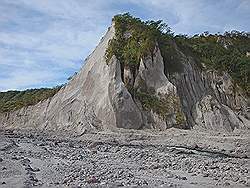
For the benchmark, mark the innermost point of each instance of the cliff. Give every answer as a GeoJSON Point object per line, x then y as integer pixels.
{"type": "Point", "coordinates": [108, 94]}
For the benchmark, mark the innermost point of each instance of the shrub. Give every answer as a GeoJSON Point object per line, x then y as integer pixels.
{"type": "Point", "coordinates": [14, 100]}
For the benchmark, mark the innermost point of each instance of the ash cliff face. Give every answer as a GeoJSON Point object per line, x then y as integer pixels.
{"type": "Point", "coordinates": [209, 100]}
{"type": "Point", "coordinates": [106, 95]}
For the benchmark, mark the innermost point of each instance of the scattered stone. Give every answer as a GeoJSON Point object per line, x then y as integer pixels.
{"type": "Point", "coordinates": [137, 164]}
{"type": "Point", "coordinates": [66, 180]}
{"type": "Point", "coordinates": [193, 183]}
{"type": "Point", "coordinates": [195, 146]}
{"type": "Point", "coordinates": [32, 178]}
{"type": "Point", "coordinates": [25, 161]}
{"type": "Point", "coordinates": [169, 185]}
{"type": "Point", "coordinates": [247, 183]}
{"type": "Point", "coordinates": [205, 175]}
{"type": "Point", "coordinates": [71, 145]}
{"type": "Point", "coordinates": [41, 144]}
{"type": "Point", "coordinates": [16, 158]}
{"type": "Point", "coordinates": [35, 169]}
{"type": "Point", "coordinates": [92, 180]}
{"type": "Point", "coordinates": [226, 183]}
{"type": "Point", "coordinates": [183, 178]}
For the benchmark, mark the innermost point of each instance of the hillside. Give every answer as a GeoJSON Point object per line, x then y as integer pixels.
{"type": "Point", "coordinates": [14, 100]}
{"type": "Point", "coordinates": [220, 52]}
{"type": "Point", "coordinates": [136, 38]}
{"type": "Point", "coordinates": [142, 76]}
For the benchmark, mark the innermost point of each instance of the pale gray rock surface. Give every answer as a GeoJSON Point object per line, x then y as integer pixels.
{"type": "Point", "coordinates": [208, 100]}
{"type": "Point", "coordinates": [151, 71]}
{"type": "Point", "coordinates": [127, 114]}
{"type": "Point", "coordinates": [151, 77]}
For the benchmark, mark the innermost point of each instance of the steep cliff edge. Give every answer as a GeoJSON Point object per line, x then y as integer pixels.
{"type": "Point", "coordinates": [109, 93]}
{"type": "Point", "coordinates": [82, 104]}
{"type": "Point", "coordinates": [209, 100]}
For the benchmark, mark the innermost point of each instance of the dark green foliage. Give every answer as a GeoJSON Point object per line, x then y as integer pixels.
{"type": "Point", "coordinates": [135, 39]}
{"type": "Point", "coordinates": [13, 100]}
{"type": "Point", "coordinates": [151, 102]}
{"type": "Point", "coordinates": [225, 52]}
{"type": "Point", "coordinates": [163, 105]}
{"type": "Point", "coordinates": [172, 60]}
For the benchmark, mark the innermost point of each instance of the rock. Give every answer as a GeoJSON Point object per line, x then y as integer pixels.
{"type": "Point", "coordinates": [213, 115]}
{"type": "Point", "coordinates": [25, 161]}
{"type": "Point", "coordinates": [121, 100]}
{"type": "Point", "coordinates": [194, 87]}
{"type": "Point", "coordinates": [41, 144]}
{"type": "Point", "coordinates": [32, 178]}
{"type": "Point", "coordinates": [71, 145]}
{"type": "Point", "coordinates": [183, 178]}
{"type": "Point", "coordinates": [1, 159]}
{"type": "Point", "coordinates": [151, 74]}
{"type": "Point", "coordinates": [170, 185]}
{"type": "Point", "coordinates": [16, 157]}
{"type": "Point", "coordinates": [247, 183]}
{"type": "Point", "coordinates": [29, 168]}
{"type": "Point", "coordinates": [92, 180]}
{"type": "Point", "coordinates": [205, 174]}
{"type": "Point", "coordinates": [226, 183]}
{"type": "Point", "coordinates": [66, 180]}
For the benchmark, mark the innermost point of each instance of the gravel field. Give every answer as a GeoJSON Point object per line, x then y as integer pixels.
{"type": "Point", "coordinates": [174, 158]}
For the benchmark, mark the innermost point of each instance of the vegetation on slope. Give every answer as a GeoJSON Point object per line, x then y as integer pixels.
{"type": "Point", "coordinates": [135, 39]}
{"type": "Point", "coordinates": [227, 52]}
{"type": "Point", "coordinates": [14, 100]}
{"type": "Point", "coordinates": [162, 106]}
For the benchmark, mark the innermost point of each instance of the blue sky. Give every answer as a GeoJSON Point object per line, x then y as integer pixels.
{"type": "Point", "coordinates": [43, 42]}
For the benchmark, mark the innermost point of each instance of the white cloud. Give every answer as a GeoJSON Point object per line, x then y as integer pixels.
{"type": "Point", "coordinates": [69, 31]}
{"type": "Point", "coordinates": [194, 16]}
{"type": "Point", "coordinates": [26, 79]}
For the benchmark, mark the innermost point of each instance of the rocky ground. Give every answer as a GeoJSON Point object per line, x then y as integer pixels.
{"type": "Point", "coordinates": [174, 158]}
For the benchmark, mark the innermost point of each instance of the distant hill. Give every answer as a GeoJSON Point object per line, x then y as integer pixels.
{"type": "Point", "coordinates": [14, 100]}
